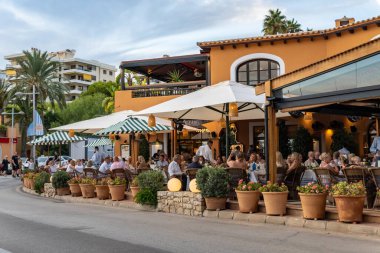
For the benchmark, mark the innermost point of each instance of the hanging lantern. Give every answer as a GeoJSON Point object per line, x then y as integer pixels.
{"type": "Point", "coordinates": [185, 133]}
{"type": "Point", "coordinates": [71, 133]}
{"type": "Point", "coordinates": [111, 136]}
{"type": "Point", "coordinates": [308, 116]}
{"type": "Point", "coordinates": [234, 112]}
{"type": "Point", "coordinates": [151, 121]}
{"type": "Point", "coordinates": [222, 123]}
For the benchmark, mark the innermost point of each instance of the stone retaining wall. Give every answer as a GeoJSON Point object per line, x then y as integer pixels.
{"type": "Point", "coordinates": [186, 203]}
{"type": "Point", "coordinates": [49, 190]}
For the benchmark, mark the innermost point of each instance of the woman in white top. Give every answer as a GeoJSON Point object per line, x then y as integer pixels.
{"type": "Point", "coordinates": [79, 166]}
{"type": "Point", "coordinates": [52, 167]}
{"type": "Point", "coordinates": [71, 166]}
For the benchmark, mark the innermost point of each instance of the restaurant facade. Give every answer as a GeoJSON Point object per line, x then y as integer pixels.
{"type": "Point", "coordinates": [253, 61]}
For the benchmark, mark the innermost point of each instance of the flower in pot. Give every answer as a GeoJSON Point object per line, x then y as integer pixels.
{"type": "Point", "coordinates": [313, 200]}
{"type": "Point", "coordinates": [135, 187]}
{"type": "Point", "coordinates": [349, 200]}
{"type": "Point", "coordinates": [87, 187]}
{"type": "Point", "coordinates": [213, 184]}
{"type": "Point", "coordinates": [102, 189]}
{"type": "Point", "coordinates": [248, 196]}
{"type": "Point", "coordinates": [275, 198]}
{"type": "Point", "coordinates": [74, 186]}
{"type": "Point", "coordinates": [59, 182]}
{"type": "Point", "coordinates": [117, 188]}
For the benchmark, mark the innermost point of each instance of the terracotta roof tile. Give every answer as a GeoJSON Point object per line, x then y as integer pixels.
{"type": "Point", "coordinates": [208, 44]}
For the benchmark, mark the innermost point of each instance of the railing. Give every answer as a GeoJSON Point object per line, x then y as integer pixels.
{"type": "Point", "coordinates": [167, 89]}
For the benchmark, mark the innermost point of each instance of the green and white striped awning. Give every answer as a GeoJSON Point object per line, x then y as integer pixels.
{"type": "Point", "coordinates": [59, 137]}
{"type": "Point", "coordinates": [132, 125]}
{"type": "Point", "coordinates": [100, 142]}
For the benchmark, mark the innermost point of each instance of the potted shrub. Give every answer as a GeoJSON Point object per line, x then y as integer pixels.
{"type": "Point", "coordinates": [248, 196]}
{"type": "Point", "coordinates": [135, 187]}
{"type": "Point", "coordinates": [59, 182]}
{"type": "Point", "coordinates": [87, 187]}
{"type": "Point", "coordinates": [213, 184]}
{"type": "Point", "coordinates": [40, 180]}
{"type": "Point", "coordinates": [275, 198]}
{"type": "Point", "coordinates": [117, 188]}
{"type": "Point", "coordinates": [313, 200]}
{"type": "Point", "coordinates": [349, 200]}
{"type": "Point", "coordinates": [74, 187]}
{"type": "Point", "coordinates": [149, 183]}
{"type": "Point", "coordinates": [102, 189]}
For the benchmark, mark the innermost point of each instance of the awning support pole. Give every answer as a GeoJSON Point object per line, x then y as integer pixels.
{"type": "Point", "coordinates": [266, 144]}
{"type": "Point", "coordinates": [227, 130]}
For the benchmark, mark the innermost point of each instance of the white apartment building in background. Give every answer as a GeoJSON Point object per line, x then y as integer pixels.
{"type": "Point", "coordinates": [76, 73]}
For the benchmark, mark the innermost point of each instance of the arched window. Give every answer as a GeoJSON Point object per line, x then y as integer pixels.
{"type": "Point", "coordinates": [257, 71]}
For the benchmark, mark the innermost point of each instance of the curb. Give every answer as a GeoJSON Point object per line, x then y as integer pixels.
{"type": "Point", "coordinates": [94, 201]}
{"type": "Point", "coordinates": [368, 229]}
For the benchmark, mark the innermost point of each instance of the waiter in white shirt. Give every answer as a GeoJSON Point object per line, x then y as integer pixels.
{"type": "Point", "coordinates": [206, 152]}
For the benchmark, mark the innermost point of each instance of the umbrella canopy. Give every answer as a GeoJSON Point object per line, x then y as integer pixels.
{"type": "Point", "coordinates": [209, 103]}
{"type": "Point", "coordinates": [59, 137]}
{"type": "Point", "coordinates": [100, 142]}
{"type": "Point", "coordinates": [133, 125]}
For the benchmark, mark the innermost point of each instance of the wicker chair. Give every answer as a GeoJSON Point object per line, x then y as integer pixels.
{"type": "Point", "coordinates": [90, 173]}
{"type": "Point", "coordinates": [375, 173]}
{"type": "Point", "coordinates": [293, 180]}
{"type": "Point", "coordinates": [324, 176]}
{"type": "Point", "coordinates": [235, 175]}
{"type": "Point", "coordinates": [355, 174]}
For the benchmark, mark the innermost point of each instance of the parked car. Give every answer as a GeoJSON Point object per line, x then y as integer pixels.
{"type": "Point", "coordinates": [41, 161]}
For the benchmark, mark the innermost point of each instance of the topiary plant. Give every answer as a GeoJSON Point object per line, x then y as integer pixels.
{"type": "Point", "coordinates": [213, 182]}
{"type": "Point", "coordinates": [152, 180]}
{"type": "Point", "coordinates": [146, 197]}
{"type": "Point", "coordinates": [144, 147]}
{"type": "Point", "coordinates": [40, 180]}
{"type": "Point", "coordinates": [303, 142]}
{"type": "Point", "coordinates": [60, 179]}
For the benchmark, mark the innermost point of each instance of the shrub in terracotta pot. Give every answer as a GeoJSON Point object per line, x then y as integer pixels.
{"type": "Point", "coordinates": [87, 187]}
{"type": "Point", "coordinates": [117, 188]}
{"type": "Point", "coordinates": [213, 184]}
{"type": "Point", "coordinates": [135, 187]}
{"type": "Point", "coordinates": [349, 200]}
{"type": "Point", "coordinates": [248, 196]}
{"type": "Point", "coordinates": [74, 187]}
{"type": "Point", "coordinates": [59, 182]}
{"type": "Point", "coordinates": [275, 198]}
{"type": "Point", "coordinates": [102, 189]}
{"type": "Point", "coordinates": [149, 183]}
{"type": "Point", "coordinates": [40, 180]}
{"type": "Point", "coordinates": [313, 200]}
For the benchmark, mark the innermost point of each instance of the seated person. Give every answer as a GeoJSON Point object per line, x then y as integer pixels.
{"type": "Point", "coordinates": [161, 163]}
{"type": "Point", "coordinates": [356, 161]}
{"type": "Point", "coordinates": [194, 164]}
{"type": "Point", "coordinates": [79, 166]}
{"type": "Point", "coordinates": [237, 161]}
{"type": "Point", "coordinates": [174, 170]}
{"type": "Point", "coordinates": [52, 167]}
{"type": "Point", "coordinates": [105, 167]}
{"type": "Point", "coordinates": [311, 162]}
{"type": "Point", "coordinates": [70, 166]}
{"type": "Point", "coordinates": [90, 165]}
{"type": "Point", "coordinates": [141, 163]}
{"type": "Point", "coordinates": [117, 164]}
{"type": "Point", "coordinates": [328, 163]}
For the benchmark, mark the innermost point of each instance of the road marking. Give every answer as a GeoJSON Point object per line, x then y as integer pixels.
{"type": "Point", "coordinates": [4, 251]}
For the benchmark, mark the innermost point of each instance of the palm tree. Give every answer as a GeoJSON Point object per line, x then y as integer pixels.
{"type": "Point", "coordinates": [109, 101]}
{"type": "Point", "coordinates": [274, 23]}
{"type": "Point", "coordinates": [6, 94]}
{"type": "Point", "coordinates": [131, 78]}
{"type": "Point", "coordinates": [292, 26]}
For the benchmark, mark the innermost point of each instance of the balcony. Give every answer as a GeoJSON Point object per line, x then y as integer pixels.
{"type": "Point", "coordinates": [166, 89]}
{"type": "Point", "coordinates": [78, 71]}
{"type": "Point", "coordinates": [77, 81]}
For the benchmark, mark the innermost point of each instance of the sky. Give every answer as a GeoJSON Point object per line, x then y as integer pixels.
{"type": "Point", "coordinates": [112, 31]}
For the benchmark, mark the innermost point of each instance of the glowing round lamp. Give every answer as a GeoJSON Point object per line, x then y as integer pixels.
{"type": "Point", "coordinates": [193, 186]}
{"type": "Point", "coordinates": [151, 121]}
{"type": "Point", "coordinates": [111, 136]}
{"type": "Point", "coordinates": [185, 133]}
{"type": "Point", "coordinates": [71, 133]}
{"type": "Point", "coordinates": [174, 185]}
{"type": "Point", "coordinates": [233, 108]}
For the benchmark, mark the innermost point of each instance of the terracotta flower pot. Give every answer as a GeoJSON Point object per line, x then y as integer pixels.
{"type": "Point", "coordinates": [31, 184]}
{"type": "Point", "coordinates": [275, 202]}
{"type": "Point", "coordinates": [75, 190]}
{"type": "Point", "coordinates": [88, 190]}
{"type": "Point", "coordinates": [215, 203]}
{"type": "Point", "coordinates": [350, 208]}
{"type": "Point", "coordinates": [26, 183]}
{"type": "Point", "coordinates": [248, 201]}
{"type": "Point", "coordinates": [313, 205]}
{"type": "Point", "coordinates": [117, 191]}
{"type": "Point", "coordinates": [102, 191]}
{"type": "Point", "coordinates": [134, 190]}
{"type": "Point", "coordinates": [63, 191]}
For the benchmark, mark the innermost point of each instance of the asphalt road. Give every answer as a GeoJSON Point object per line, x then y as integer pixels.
{"type": "Point", "coordinates": [33, 224]}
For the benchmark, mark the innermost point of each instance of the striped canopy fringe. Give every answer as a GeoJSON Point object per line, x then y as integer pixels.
{"type": "Point", "coordinates": [59, 137]}
{"type": "Point", "coordinates": [132, 125]}
{"type": "Point", "coordinates": [100, 142]}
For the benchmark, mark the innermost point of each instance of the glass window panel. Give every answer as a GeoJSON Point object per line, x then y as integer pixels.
{"type": "Point", "coordinates": [242, 76]}
{"type": "Point", "coordinates": [264, 65]}
{"type": "Point", "coordinates": [274, 65]}
{"type": "Point", "coordinates": [274, 73]}
{"type": "Point", "coordinates": [253, 75]}
{"type": "Point", "coordinates": [253, 65]}
{"type": "Point", "coordinates": [368, 71]}
{"type": "Point", "coordinates": [243, 67]}
{"type": "Point", "coordinates": [253, 82]}
{"type": "Point", "coordinates": [264, 75]}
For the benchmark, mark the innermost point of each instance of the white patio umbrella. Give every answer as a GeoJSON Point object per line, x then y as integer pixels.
{"type": "Point", "coordinates": [210, 103]}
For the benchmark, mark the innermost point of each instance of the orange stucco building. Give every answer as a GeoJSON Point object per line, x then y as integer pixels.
{"type": "Point", "coordinates": [253, 61]}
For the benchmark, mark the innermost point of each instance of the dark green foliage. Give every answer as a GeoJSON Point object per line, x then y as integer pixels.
{"type": "Point", "coordinates": [341, 138]}
{"type": "Point", "coordinates": [146, 197]}
{"type": "Point", "coordinates": [40, 181]}
{"type": "Point", "coordinates": [153, 180]}
{"type": "Point", "coordinates": [144, 147]}
{"type": "Point", "coordinates": [284, 139]}
{"type": "Point", "coordinates": [100, 87]}
{"type": "Point", "coordinates": [222, 141]}
{"type": "Point", "coordinates": [60, 179]}
{"type": "Point", "coordinates": [213, 182]}
{"type": "Point", "coordinates": [303, 142]}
